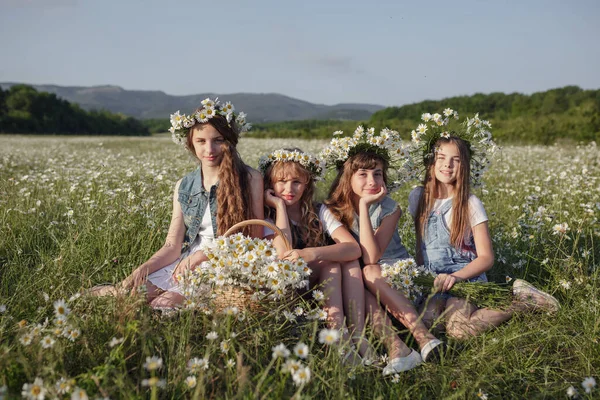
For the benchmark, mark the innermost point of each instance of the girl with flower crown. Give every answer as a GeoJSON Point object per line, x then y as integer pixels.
{"type": "Point", "coordinates": [221, 192]}
{"type": "Point", "coordinates": [358, 198]}
{"type": "Point", "coordinates": [453, 240]}
{"type": "Point", "coordinates": [289, 179]}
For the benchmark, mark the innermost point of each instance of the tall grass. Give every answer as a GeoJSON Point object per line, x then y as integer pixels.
{"type": "Point", "coordinates": [75, 212]}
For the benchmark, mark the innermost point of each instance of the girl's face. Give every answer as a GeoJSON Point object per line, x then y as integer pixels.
{"type": "Point", "coordinates": [208, 145]}
{"type": "Point", "coordinates": [367, 182]}
{"type": "Point", "coordinates": [289, 187]}
{"type": "Point", "coordinates": [447, 163]}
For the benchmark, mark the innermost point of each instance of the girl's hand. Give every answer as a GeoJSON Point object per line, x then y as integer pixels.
{"type": "Point", "coordinates": [444, 282]}
{"type": "Point", "coordinates": [307, 255]}
{"type": "Point", "coordinates": [184, 265]}
{"type": "Point", "coordinates": [271, 200]}
{"type": "Point", "coordinates": [374, 198]}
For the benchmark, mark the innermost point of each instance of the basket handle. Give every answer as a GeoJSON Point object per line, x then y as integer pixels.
{"type": "Point", "coordinates": [269, 225]}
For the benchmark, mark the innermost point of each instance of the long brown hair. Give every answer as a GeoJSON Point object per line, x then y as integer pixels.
{"type": "Point", "coordinates": [309, 227]}
{"type": "Point", "coordinates": [234, 203]}
{"type": "Point", "coordinates": [340, 194]}
{"type": "Point", "coordinates": [460, 227]}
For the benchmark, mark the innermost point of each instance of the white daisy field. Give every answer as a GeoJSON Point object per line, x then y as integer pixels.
{"type": "Point", "coordinates": [79, 211]}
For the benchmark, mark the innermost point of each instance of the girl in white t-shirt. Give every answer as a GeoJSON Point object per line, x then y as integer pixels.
{"type": "Point", "coordinates": [453, 241]}
{"type": "Point", "coordinates": [289, 180]}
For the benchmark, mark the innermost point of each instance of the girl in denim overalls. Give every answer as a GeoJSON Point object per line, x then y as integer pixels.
{"type": "Point", "coordinates": [220, 193]}
{"type": "Point", "coordinates": [358, 198]}
{"type": "Point", "coordinates": [453, 242]}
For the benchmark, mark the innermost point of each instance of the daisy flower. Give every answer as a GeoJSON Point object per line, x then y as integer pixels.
{"type": "Point", "coordinates": [426, 117]}
{"type": "Point", "coordinates": [280, 351]}
{"type": "Point", "coordinates": [191, 382]}
{"type": "Point", "coordinates": [291, 366]}
{"type": "Point", "coordinates": [63, 386]}
{"type": "Point", "coordinates": [26, 339]}
{"type": "Point", "coordinates": [329, 336]}
{"type": "Point", "coordinates": [301, 350]}
{"type": "Point", "coordinates": [212, 335]}
{"type": "Point", "coordinates": [588, 384]}
{"type": "Point", "coordinates": [301, 376]}
{"type": "Point", "coordinates": [47, 342]}
{"type": "Point", "coordinates": [421, 129]}
{"type": "Point", "coordinates": [195, 365]}
{"type": "Point", "coordinates": [60, 308]}
{"type": "Point", "coordinates": [79, 394]}
{"type": "Point", "coordinates": [153, 363]}
{"type": "Point", "coordinates": [35, 390]}
{"type": "Point", "coordinates": [318, 295]}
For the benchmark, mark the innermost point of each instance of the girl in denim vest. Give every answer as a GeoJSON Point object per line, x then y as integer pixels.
{"type": "Point", "coordinates": [358, 198]}
{"type": "Point", "coordinates": [220, 193]}
{"type": "Point", "coordinates": [453, 241]}
{"type": "Point", "coordinates": [289, 179]}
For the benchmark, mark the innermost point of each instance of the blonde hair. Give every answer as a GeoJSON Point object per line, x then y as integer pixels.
{"type": "Point", "coordinates": [340, 194]}
{"type": "Point", "coordinates": [234, 202]}
{"type": "Point", "coordinates": [460, 227]}
{"type": "Point", "coordinates": [310, 228]}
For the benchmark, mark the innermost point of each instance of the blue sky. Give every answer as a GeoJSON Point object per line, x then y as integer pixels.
{"type": "Point", "coordinates": [381, 52]}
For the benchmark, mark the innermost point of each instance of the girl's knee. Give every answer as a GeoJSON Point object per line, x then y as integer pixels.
{"type": "Point", "coordinates": [371, 272]}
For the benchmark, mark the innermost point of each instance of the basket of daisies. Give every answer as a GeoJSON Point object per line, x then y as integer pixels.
{"type": "Point", "coordinates": [243, 272]}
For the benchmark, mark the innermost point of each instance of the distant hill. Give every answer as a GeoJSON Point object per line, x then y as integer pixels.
{"type": "Point", "coordinates": [143, 104]}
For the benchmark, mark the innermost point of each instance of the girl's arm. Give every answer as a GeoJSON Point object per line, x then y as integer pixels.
{"type": "Point", "coordinates": [344, 249]}
{"type": "Point", "coordinates": [256, 199]}
{"type": "Point", "coordinates": [373, 244]}
{"type": "Point", "coordinates": [281, 220]}
{"type": "Point", "coordinates": [167, 253]}
{"type": "Point", "coordinates": [482, 263]}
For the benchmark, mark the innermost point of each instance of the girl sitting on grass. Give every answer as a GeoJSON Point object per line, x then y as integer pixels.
{"type": "Point", "coordinates": [453, 240]}
{"type": "Point", "coordinates": [289, 179]}
{"type": "Point", "coordinates": [358, 198]}
{"type": "Point", "coordinates": [220, 193]}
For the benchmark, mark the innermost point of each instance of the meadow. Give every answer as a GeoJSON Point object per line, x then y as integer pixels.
{"type": "Point", "coordinates": [79, 211]}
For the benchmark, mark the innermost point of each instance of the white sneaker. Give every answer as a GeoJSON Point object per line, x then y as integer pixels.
{"type": "Point", "coordinates": [528, 294]}
{"type": "Point", "coordinates": [402, 364]}
{"type": "Point", "coordinates": [430, 347]}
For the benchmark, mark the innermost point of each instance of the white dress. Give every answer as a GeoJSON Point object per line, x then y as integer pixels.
{"type": "Point", "coordinates": [163, 278]}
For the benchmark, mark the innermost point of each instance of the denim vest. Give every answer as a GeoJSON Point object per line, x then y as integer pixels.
{"type": "Point", "coordinates": [194, 199]}
{"type": "Point", "coordinates": [439, 255]}
{"type": "Point", "coordinates": [377, 212]}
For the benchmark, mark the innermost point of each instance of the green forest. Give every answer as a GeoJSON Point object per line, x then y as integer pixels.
{"type": "Point", "coordinates": [569, 113]}
{"type": "Point", "coordinates": [25, 110]}
{"type": "Point", "coordinates": [564, 114]}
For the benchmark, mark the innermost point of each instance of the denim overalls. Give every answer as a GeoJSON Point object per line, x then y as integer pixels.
{"type": "Point", "coordinates": [377, 212]}
{"type": "Point", "coordinates": [193, 199]}
{"type": "Point", "coordinates": [439, 255]}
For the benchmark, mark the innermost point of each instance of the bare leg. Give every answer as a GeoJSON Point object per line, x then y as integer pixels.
{"type": "Point", "coordinates": [167, 299]}
{"type": "Point", "coordinates": [400, 307]}
{"type": "Point", "coordinates": [431, 311]}
{"type": "Point", "coordinates": [464, 320]}
{"type": "Point", "coordinates": [383, 328]}
{"type": "Point", "coordinates": [330, 281]}
{"type": "Point", "coordinates": [353, 294]}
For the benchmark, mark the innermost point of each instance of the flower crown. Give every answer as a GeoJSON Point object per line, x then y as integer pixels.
{"type": "Point", "coordinates": [474, 131]}
{"type": "Point", "coordinates": [181, 123]}
{"type": "Point", "coordinates": [387, 145]}
{"type": "Point", "coordinates": [315, 165]}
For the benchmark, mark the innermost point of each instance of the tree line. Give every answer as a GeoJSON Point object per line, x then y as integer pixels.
{"type": "Point", "coordinates": [25, 110]}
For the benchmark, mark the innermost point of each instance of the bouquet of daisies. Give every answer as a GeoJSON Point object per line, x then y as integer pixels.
{"type": "Point", "coordinates": [250, 264]}
{"type": "Point", "coordinates": [414, 281]}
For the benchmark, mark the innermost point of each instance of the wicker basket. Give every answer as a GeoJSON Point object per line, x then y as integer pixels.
{"type": "Point", "coordinates": [235, 296]}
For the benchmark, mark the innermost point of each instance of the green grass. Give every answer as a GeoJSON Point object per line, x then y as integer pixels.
{"type": "Point", "coordinates": [75, 212]}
